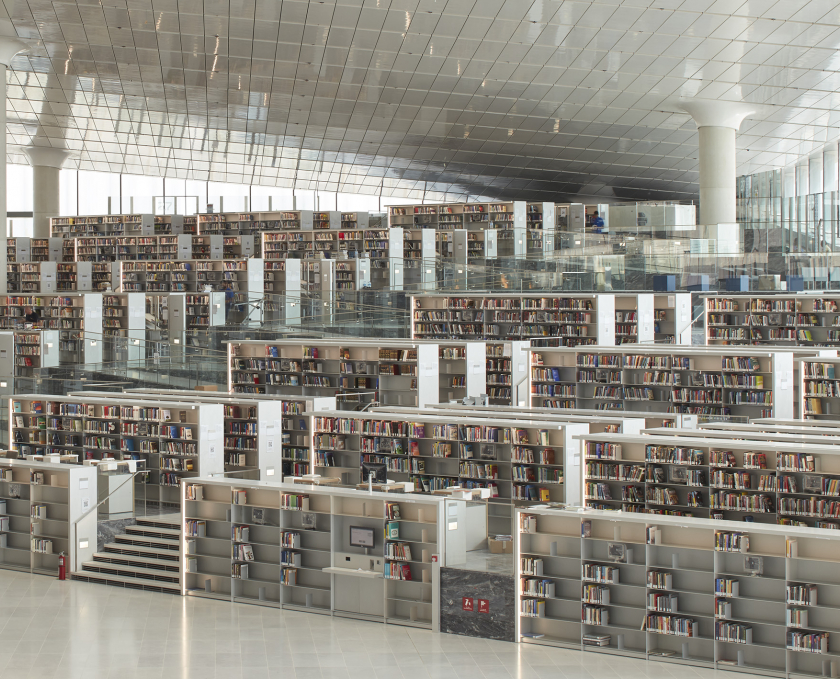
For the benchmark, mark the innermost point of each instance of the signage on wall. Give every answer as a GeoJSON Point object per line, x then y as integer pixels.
{"type": "Point", "coordinates": [468, 604]}
{"type": "Point", "coordinates": [483, 605]}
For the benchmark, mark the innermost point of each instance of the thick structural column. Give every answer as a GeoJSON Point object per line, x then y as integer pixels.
{"type": "Point", "coordinates": [717, 123]}
{"type": "Point", "coordinates": [46, 165]}
{"type": "Point", "coordinates": [9, 47]}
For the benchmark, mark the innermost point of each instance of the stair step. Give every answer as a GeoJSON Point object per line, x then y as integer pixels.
{"type": "Point", "coordinates": [155, 531]}
{"type": "Point", "coordinates": [142, 541]}
{"type": "Point", "coordinates": [130, 583]}
{"type": "Point", "coordinates": [174, 524]}
{"type": "Point", "coordinates": [148, 562]}
{"type": "Point", "coordinates": [172, 555]}
{"type": "Point", "coordinates": [119, 570]}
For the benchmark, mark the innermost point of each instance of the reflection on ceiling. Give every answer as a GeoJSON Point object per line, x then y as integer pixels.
{"type": "Point", "coordinates": [451, 99]}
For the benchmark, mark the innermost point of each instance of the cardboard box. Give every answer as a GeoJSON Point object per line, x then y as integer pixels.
{"type": "Point", "coordinates": [500, 546]}
{"type": "Point", "coordinates": [206, 387]}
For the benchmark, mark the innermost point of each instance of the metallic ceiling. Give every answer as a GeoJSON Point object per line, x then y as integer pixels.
{"type": "Point", "coordinates": [451, 99]}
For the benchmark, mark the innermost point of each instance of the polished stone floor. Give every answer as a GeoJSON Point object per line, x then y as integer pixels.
{"type": "Point", "coordinates": [74, 630]}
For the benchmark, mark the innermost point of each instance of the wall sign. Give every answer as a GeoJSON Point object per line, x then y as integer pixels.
{"type": "Point", "coordinates": [483, 605]}
{"type": "Point", "coordinates": [468, 604]}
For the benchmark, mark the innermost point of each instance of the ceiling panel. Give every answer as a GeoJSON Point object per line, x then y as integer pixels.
{"type": "Point", "coordinates": [450, 99]}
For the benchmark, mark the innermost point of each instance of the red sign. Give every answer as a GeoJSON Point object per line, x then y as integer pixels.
{"type": "Point", "coordinates": [468, 604]}
{"type": "Point", "coordinates": [483, 606]}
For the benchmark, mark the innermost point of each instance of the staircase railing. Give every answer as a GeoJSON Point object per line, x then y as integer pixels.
{"type": "Point", "coordinates": [79, 546]}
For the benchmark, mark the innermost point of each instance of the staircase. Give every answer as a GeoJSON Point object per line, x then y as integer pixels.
{"type": "Point", "coordinates": [147, 556]}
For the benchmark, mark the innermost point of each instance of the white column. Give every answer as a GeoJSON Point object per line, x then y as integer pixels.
{"type": "Point", "coordinates": [829, 158]}
{"type": "Point", "coordinates": [717, 123]}
{"type": "Point", "coordinates": [46, 165]}
{"type": "Point", "coordinates": [9, 47]}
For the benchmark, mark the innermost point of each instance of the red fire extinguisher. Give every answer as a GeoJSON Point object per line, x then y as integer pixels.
{"type": "Point", "coordinates": [62, 567]}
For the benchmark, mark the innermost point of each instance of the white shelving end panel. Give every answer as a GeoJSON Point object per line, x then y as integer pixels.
{"type": "Point", "coordinates": [573, 467]}
{"type": "Point", "coordinates": [428, 371]}
{"type": "Point", "coordinates": [645, 318]}
{"type": "Point", "coordinates": [49, 277]}
{"type": "Point", "coordinates": [92, 339]}
{"type": "Point", "coordinates": [307, 219]}
{"type": "Point", "coordinates": [396, 266]}
{"type": "Point", "coordinates": [55, 248]}
{"type": "Point", "coordinates": [177, 319]}
{"type": "Point", "coordinates": [781, 363]}
{"type": "Point", "coordinates": [49, 348]}
{"type": "Point", "coordinates": [176, 224]}
{"type": "Point", "coordinates": [254, 286]}
{"type": "Point", "coordinates": [459, 246]}
{"type": "Point", "coordinates": [84, 276]}
{"type": "Point", "coordinates": [292, 294]}
{"type": "Point", "coordinates": [519, 372]}
{"type": "Point", "coordinates": [335, 219]}
{"type": "Point", "coordinates": [428, 273]}
{"type": "Point", "coordinates": [183, 245]}
{"type": "Point", "coordinates": [321, 403]}
{"type": "Point", "coordinates": [270, 440]}
{"type": "Point", "coordinates": [682, 317]}
{"type": "Point", "coordinates": [216, 308]}
{"type": "Point", "coordinates": [362, 273]}
{"type": "Point", "coordinates": [549, 227]}
{"type": "Point", "coordinates": [491, 244]}
{"type": "Point", "coordinates": [23, 249]}
{"type": "Point", "coordinates": [476, 359]}
{"type": "Point", "coordinates": [217, 246]}
{"type": "Point", "coordinates": [135, 304]}
{"type": "Point", "coordinates": [632, 425]}
{"type": "Point", "coordinates": [605, 320]}
{"type": "Point", "coordinates": [7, 362]}
{"type": "Point", "coordinates": [82, 496]}
{"type": "Point", "coordinates": [211, 458]}
{"type": "Point", "coordinates": [326, 293]}
{"type": "Point", "coordinates": [146, 227]}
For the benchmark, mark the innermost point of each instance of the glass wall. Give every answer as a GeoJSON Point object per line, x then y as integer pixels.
{"type": "Point", "coordinates": [87, 193]}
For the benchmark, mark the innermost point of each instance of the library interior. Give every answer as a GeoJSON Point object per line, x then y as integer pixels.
{"type": "Point", "coordinates": [420, 339]}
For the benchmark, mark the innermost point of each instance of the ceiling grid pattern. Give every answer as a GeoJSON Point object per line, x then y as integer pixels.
{"type": "Point", "coordinates": [453, 99]}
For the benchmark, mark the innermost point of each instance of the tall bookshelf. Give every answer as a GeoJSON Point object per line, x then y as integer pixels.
{"type": "Point", "coordinates": [175, 439]}
{"type": "Point", "coordinates": [742, 382]}
{"type": "Point", "coordinates": [398, 373]}
{"type": "Point", "coordinates": [710, 593]}
{"type": "Point", "coordinates": [292, 429]}
{"type": "Point", "coordinates": [78, 318]}
{"type": "Point", "coordinates": [102, 225]}
{"type": "Point", "coordinates": [507, 372]}
{"type": "Point", "coordinates": [540, 222]}
{"type": "Point", "coordinates": [672, 318]}
{"type": "Point", "coordinates": [236, 223]}
{"type": "Point", "coordinates": [419, 259]}
{"type": "Point", "coordinates": [288, 546]}
{"type": "Point", "coordinates": [769, 481]}
{"type": "Point", "coordinates": [567, 320]}
{"type": "Point", "coordinates": [517, 461]}
{"type": "Point", "coordinates": [462, 370]}
{"type": "Point", "coordinates": [21, 249]}
{"type": "Point", "coordinates": [819, 388]}
{"type": "Point", "coordinates": [599, 420]}
{"type": "Point", "coordinates": [35, 349]}
{"type": "Point", "coordinates": [45, 509]}
{"type": "Point", "coordinates": [35, 277]}
{"type": "Point", "coordinates": [124, 325]}
{"type": "Point", "coordinates": [793, 319]}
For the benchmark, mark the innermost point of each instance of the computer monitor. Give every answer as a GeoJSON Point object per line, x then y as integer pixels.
{"type": "Point", "coordinates": [361, 537]}
{"type": "Point", "coordinates": [378, 470]}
